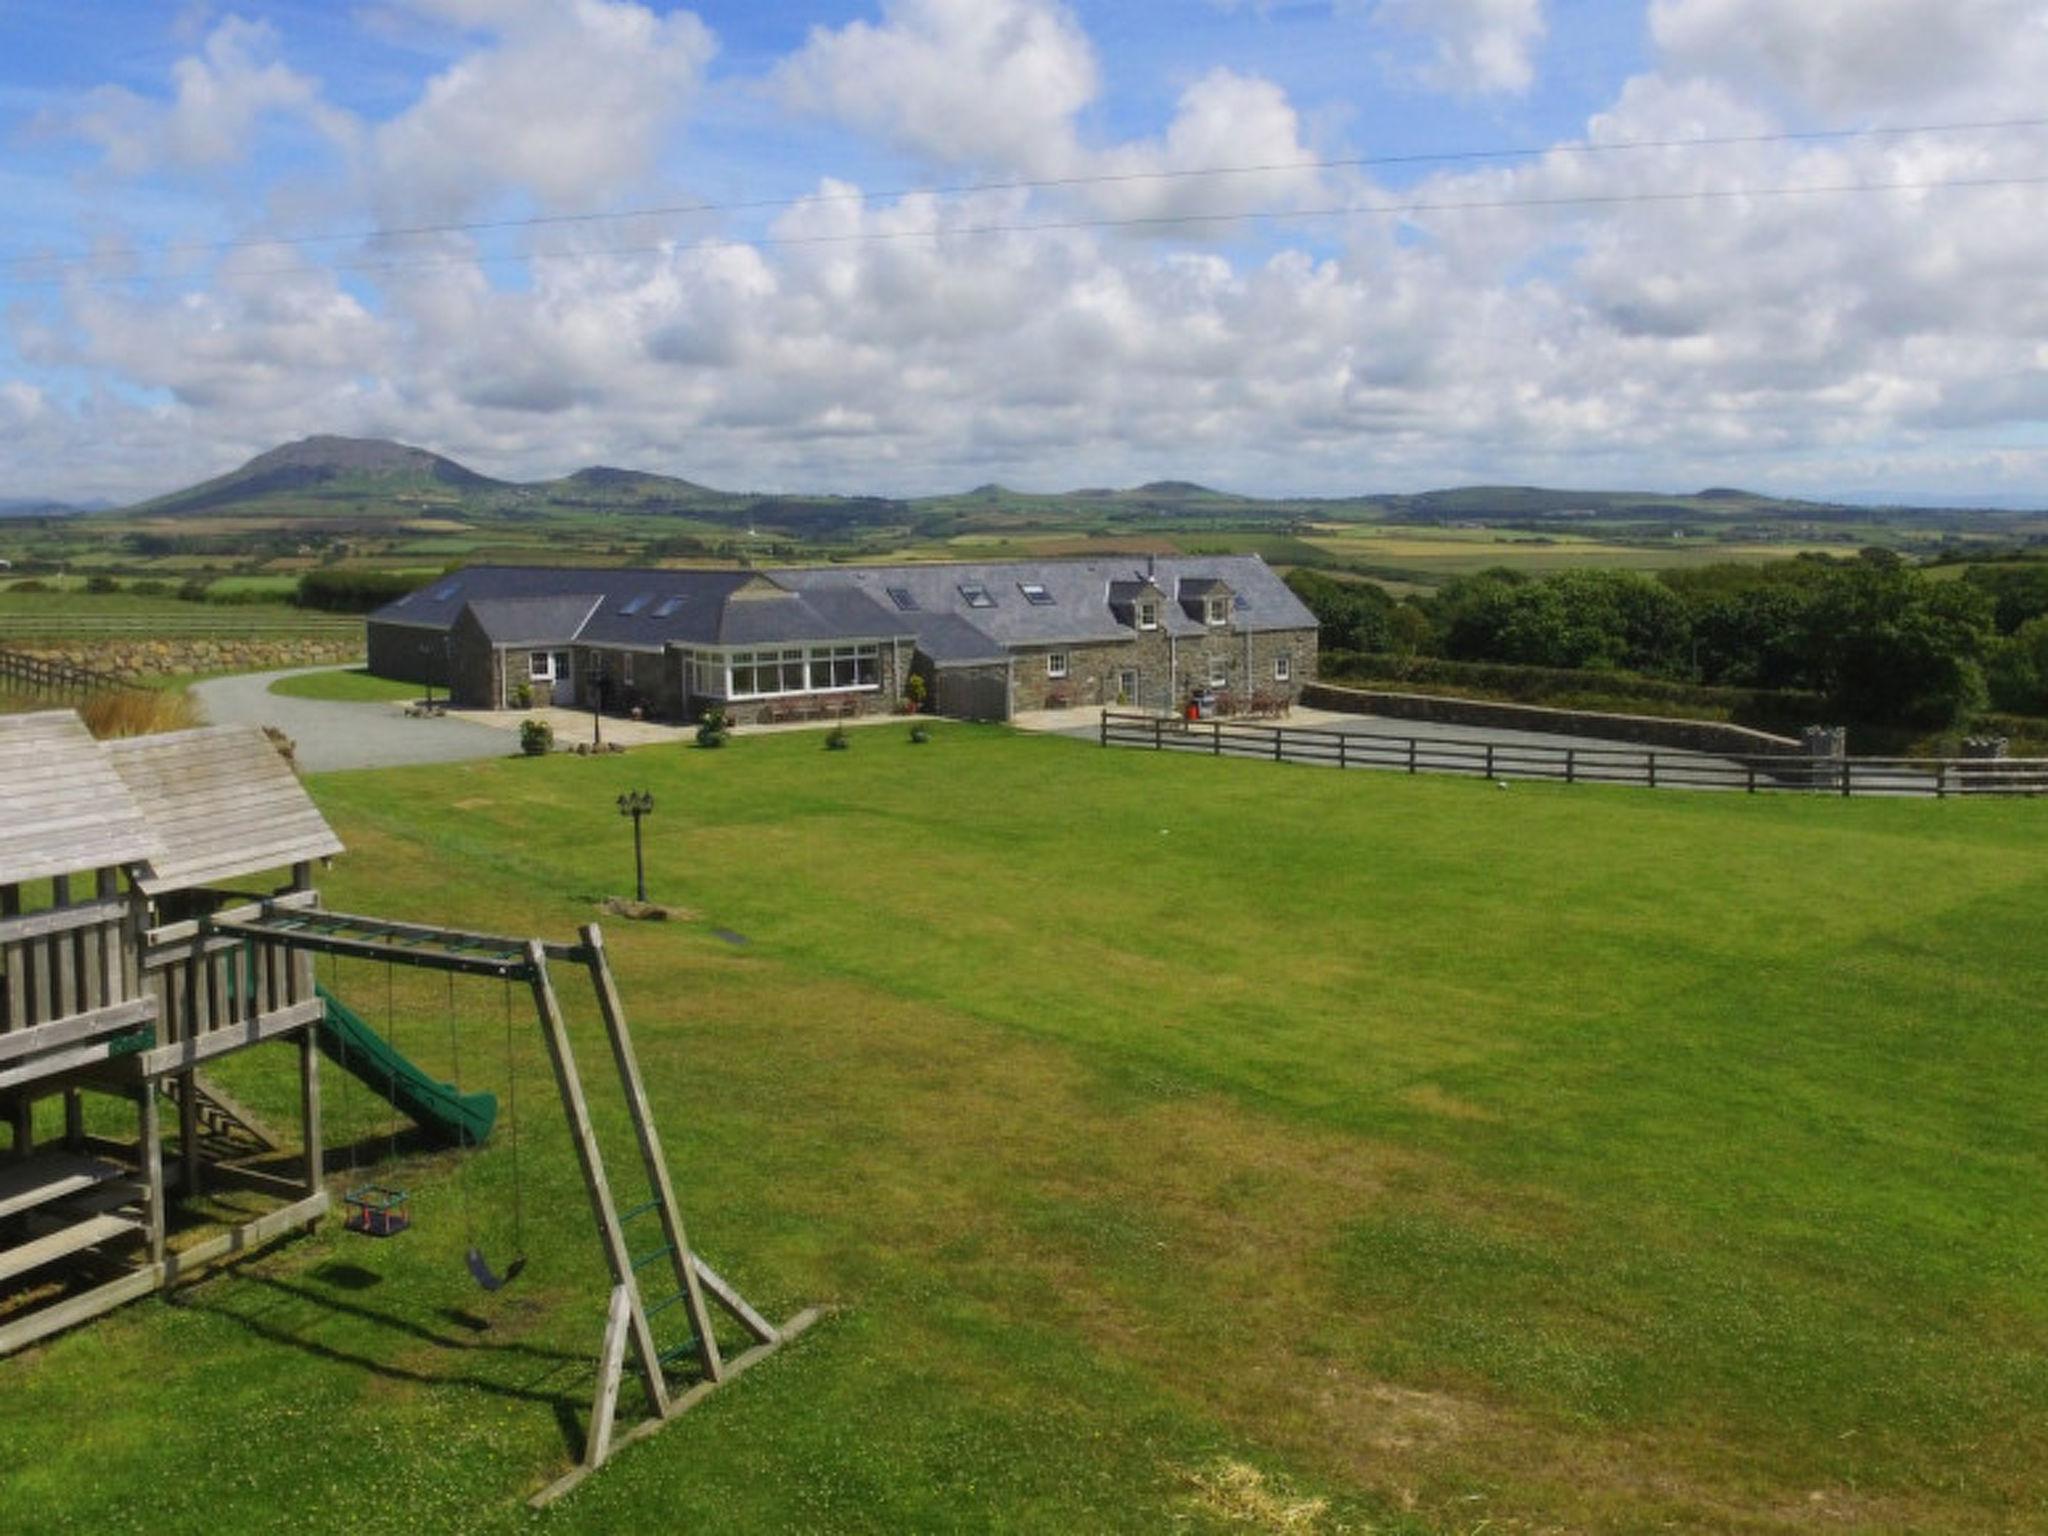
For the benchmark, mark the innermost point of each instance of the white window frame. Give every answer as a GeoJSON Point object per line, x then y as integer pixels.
{"type": "Point", "coordinates": [1056, 665]}
{"type": "Point", "coordinates": [540, 666]}
{"type": "Point", "coordinates": [625, 669]}
{"type": "Point", "coordinates": [1219, 671]}
{"type": "Point", "coordinates": [1219, 610]}
{"type": "Point", "coordinates": [1148, 614]}
{"type": "Point", "coordinates": [817, 666]}
{"type": "Point", "coordinates": [1283, 668]}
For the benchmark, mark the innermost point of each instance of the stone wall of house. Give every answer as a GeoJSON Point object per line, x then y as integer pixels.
{"type": "Point", "coordinates": [139, 658]}
{"type": "Point", "coordinates": [1167, 670]}
{"type": "Point", "coordinates": [406, 653]}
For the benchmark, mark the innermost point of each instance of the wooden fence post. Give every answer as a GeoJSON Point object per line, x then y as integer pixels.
{"type": "Point", "coordinates": [1653, 769]}
{"type": "Point", "coordinates": [1571, 760]}
{"type": "Point", "coordinates": [1752, 778]}
{"type": "Point", "coordinates": [1279, 744]}
{"type": "Point", "coordinates": [1411, 754]}
{"type": "Point", "coordinates": [1846, 779]}
{"type": "Point", "coordinates": [1941, 780]}
{"type": "Point", "coordinates": [1343, 742]}
{"type": "Point", "coordinates": [1489, 759]}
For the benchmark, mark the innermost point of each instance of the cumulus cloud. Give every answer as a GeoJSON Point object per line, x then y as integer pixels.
{"type": "Point", "coordinates": [1476, 47]}
{"type": "Point", "coordinates": [1864, 56]}
{"type": "Point", "coordinates": [219, 96]}
{"type": "Point", "coordinates": [569, 103]}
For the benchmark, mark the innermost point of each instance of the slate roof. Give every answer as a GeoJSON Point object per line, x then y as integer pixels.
{"type": "Point", "coordinates": [1086, 596]}
{"type": "Point", "coordinates": [1083, 601]}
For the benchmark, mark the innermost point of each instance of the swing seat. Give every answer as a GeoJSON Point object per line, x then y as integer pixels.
{"type": "Point", "coordinates": [377, 1210]}
{"type": "Point", "coordinates": [481, 1272]}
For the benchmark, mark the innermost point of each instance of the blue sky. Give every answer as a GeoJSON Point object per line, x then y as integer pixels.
{"type": "Point", "coordinates": [1624, 317]}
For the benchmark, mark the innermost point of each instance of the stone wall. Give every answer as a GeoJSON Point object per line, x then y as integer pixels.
{"type": "Point", "coordinates": [1168, 669]}
{"type": "Point", "coordinates": [142, 658]}
{"type": "Point", "coordinates": [1648, 730]}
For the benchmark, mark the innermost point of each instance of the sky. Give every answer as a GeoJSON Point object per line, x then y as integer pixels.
{"type": "Point", "coordinates": [911, 246]}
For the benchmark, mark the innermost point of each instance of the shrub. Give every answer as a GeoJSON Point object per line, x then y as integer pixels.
{"type": "Point", "coordinates": [914, 691]}
{"type": "Point", "coordinates": [100, 584]}
{"type": "Point", "coordinates": [836, 739]}
{"type": "Point", "coordinates": [31, 585]}
{"type": "Point", "coordinates": [714, 728]}
{"type": "Point", "coordinates": [149, 586]}
{"type": "Point", "coordinates": [137, 712]}
{"type": "Point", "coordinates": [194, 590]}
{"type": "Point", "coordinates": [522, 696]}
{"type": "Point", "coordinates": [536, 738]}
{"type": "Point", "coordinates": [920, 734]}
{"type": "Point", "coordinates": [343, 591]}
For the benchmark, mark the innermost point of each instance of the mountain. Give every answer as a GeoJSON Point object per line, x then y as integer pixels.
{"type": "Point", "coordinates": [327, 469]}
{"type": "Point", "coordinates": [605, 485]}
{"type": "Point", "coordinates": [36, 506]}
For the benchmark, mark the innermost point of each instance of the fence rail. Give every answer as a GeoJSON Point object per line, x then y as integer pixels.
{"type": "Point", "coordinates": [41, 677]}
{"type": "Point", "coordinates": [1647, 768]}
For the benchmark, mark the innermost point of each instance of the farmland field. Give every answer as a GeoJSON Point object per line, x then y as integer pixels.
{"type": "Point", "coordinates": [1447, 552]}
{"type": "Point", "coordinates": [1179, 1145]}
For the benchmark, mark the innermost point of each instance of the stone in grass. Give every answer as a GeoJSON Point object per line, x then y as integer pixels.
{"type": "Point", "coordinates": [646, 911]}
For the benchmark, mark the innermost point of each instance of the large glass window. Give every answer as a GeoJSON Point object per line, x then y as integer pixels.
{"type": "Point", "coordinates": [795, 669]}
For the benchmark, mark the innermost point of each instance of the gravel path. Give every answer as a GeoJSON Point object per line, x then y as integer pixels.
{"type": "Point", "coordinates": [331, 735]}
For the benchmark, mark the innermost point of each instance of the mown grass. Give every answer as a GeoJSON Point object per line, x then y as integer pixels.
{"type": "Point", "coordinates": [1537, 1159]}
{"type": "Point", "coordinates": [350, 685]}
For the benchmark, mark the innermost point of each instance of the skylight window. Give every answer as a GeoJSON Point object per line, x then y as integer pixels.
{"type": "Point", "coordinates": [904, 599]}
{"type": "Point", "coordinates": [635, 603]}
{"type": "Point", "coordinates": [977, 595]}
{"type": "Point", "coordinates": [668, 606]}
{"type": "Point", "coordinates": [1035, 594]}
{"type": "Point", "coordinates": [446, 591]}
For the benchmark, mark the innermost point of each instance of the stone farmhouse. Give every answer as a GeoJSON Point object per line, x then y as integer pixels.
{"type": "Point", "coordinates": [990, 640]}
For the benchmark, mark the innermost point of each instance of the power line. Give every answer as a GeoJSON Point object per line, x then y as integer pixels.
{"type": "Point", "coordinates": [1054, 183]}
{"type": "Point", "coordinates": [1156, 221]}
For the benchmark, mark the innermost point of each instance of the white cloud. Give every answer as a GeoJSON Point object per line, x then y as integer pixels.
{"type": "Point", "coordinates": [1865, 56]}
{"type": "Point", "coordinates": [1477, 47]}
{"type": "Point", "coordinates": [995, 83]}
{"type": "Point", "coordinates": [220, 96]}
{"type": "Point", "coordinates": [570, 103]}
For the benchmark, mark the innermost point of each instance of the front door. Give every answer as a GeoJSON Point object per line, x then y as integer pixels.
{"type": "Point", "coordinates": [565, 681]}
{"type": "Point", "coordinates": [1127, 686]}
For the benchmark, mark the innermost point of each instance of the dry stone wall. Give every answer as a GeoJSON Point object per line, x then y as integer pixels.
{"type": "Point", "coordinates": [139, 658]}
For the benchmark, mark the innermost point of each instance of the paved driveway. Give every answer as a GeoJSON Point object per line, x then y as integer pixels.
{"type": "Point", "coordinates": [331, 735]}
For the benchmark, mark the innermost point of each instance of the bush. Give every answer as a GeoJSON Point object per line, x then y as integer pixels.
{"type": "Point", "coordinates": [836, 739]}
{"type": "Point", "coordinates": [31, 585]}
{"type": "Point", "coordinates": [714, 729]}
{"type": "Point", "coordinates": [194, 590]}
{"type": "Point", "coordinates": [914, 691]}
{"type": "Point", "coordinates": [137, 712]}
{"type": "Point", "coordinates": [149, 586]}
{"type": "Point", "coordinates": [536, 738]}
{"type": "Point", "coordinates": [101, 584]}
{"type": "Point", "coordinates": [919, 735]}
{"type": "Point", "coordinates": [522, 696]}
{"type": "Point", "coordinates": [344, 591]}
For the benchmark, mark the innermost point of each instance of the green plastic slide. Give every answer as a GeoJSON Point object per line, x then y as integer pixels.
{"type": "Point", "coordinates": [439, 1109]}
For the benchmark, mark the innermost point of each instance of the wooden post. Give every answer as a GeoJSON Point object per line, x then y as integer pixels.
{"type": "Point", "coordinates": [1489, 759]}
{"type": "Point", "coordinates": [1571, 755]}
{"type": "Point", "coordinates": [1653, 769]}
{"type": "Point", "coordinates": [1105, 727]}
{"type": "Point", "coordinates": [1216, 737]}
{"type": "Point", "coordinates": [658, 1181]}
{"type": "Point", "coordinates": [1752, 778]}
{"type": "Point", "coordinates": [1411, 754]}
{"type": "Point", "coordinates": [74, 1119]}
{"type": "Point", "coordinates": [309, 1113]}
{"type": "Point", "coordinates": [611, 1365]}
{"type": "Point", "coordinates": [1846, 786]}
{"type": "Point", "coordinates": [583, 1136]}
{"type": "Point", "coordinates": [1343, 745]}
{"type": "Point", "coordinates": [1279, 746]}
{"type": "Point", "coordinates": [152, 1151]}
{"type": "Point", "coordinates": [188, 1131]}
{"type": "Point", "coordinates": [1941, 780]}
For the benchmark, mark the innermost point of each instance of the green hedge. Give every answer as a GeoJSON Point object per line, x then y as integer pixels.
{"type": "Point", "coordinates": [343, 591]}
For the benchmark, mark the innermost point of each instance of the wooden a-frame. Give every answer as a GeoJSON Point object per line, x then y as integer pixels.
{"type": "Point", "coordinates": [627, 1316]}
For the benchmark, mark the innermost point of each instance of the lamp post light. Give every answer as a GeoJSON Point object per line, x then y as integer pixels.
{"type": "Point", "coordinates": [637, 803]}
{"type": "Point", "coordinates": [600, 679]}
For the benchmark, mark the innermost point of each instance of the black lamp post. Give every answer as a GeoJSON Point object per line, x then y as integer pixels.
{"type": "Point", "coordinates": [600, 680]}
{"type": "Point", "coordinates": [637, 803]}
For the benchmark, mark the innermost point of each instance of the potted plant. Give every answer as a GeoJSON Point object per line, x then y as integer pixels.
{"type": "Point", "coordinates": [522, 696]}
{"type": "Point", "coordinates": [913, 693]}
{"type": "Point", "coordinates": [536, 738]}
{"type": "Point", "coordinates": [714, 728]}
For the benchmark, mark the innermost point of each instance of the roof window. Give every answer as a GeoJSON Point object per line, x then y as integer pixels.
{"type": "Point", "coordinates": [977, 595]}
{"type": "Point", "coordinates": [446, 590]}
{"type": "Point", "coordinates": [1035, 594]}
{"type": "Point", "coordinates": [904, 599]}
{"type": "Point", "coordinates": [635, 603]}
{"type": "Point", "coordinates": [668, 606]}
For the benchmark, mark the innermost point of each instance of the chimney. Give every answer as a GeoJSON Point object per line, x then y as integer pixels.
{"type": "Point", "coordinates": [1151, 562]}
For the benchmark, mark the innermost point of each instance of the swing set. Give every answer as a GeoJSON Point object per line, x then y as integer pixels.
{"type": "Point", "coordinates": [380, 1210]}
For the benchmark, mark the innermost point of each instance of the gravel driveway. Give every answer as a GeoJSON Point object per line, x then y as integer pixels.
{"type": "Point", "coordinates": [333, 735]}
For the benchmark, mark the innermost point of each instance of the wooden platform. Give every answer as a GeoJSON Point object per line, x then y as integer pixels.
{"type": "Point", "coordinates": [67, 1240]}
{"type": "Point", "coordinates": [51, 1176]}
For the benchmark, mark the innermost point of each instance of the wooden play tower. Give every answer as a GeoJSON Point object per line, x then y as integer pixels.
{"type": "Point", "coordinates": [129, 962]}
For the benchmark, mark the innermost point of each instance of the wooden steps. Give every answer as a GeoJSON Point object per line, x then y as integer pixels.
{"type": "Point", "coordinates": [65, 1241]}
{"type": "Point", "coordinates": [51, 1176]}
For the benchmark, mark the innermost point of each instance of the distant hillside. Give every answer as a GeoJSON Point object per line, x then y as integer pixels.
{"type": "Point", "coordinates": [32, 506]}
{"type": "Point", "coordinates": [325, 468]}
{"type": "Point", "coordinates": [603, 484]}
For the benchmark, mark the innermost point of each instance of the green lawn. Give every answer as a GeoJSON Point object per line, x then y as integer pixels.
{"type": "Point", "coordinates": [1541, 1159]}
{"type": "Point", "coordinates": [353, 685]}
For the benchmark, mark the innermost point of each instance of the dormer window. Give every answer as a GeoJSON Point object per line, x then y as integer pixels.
{"type": "Point", "coordinates": [1219, 610]}
{"type": "Point", "coordinates": [1148, 614]}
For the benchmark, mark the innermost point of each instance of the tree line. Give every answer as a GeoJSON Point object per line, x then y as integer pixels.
{"type": "Point", "coordinates": [1883, 641]}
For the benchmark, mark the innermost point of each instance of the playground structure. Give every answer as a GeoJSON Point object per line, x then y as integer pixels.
{"type": "Point", "coordinates": [127, 966]}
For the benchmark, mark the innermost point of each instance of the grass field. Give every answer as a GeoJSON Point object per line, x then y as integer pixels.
{"type": "Point", "coordinates": [1181, 1143]}
{"type": "Point", "coordinates": [1442, 553]}
{"type": "Point", "coordinates": [351, 685]}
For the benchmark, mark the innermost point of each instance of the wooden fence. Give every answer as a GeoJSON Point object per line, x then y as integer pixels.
{"type": "Point", "coordinates": [1642, 767]}
{"type": "Point", "coordinates": [42, 678]}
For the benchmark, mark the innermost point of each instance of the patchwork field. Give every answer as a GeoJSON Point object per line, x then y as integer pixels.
{"type": "Point", "coordinates": [1183, 1145]}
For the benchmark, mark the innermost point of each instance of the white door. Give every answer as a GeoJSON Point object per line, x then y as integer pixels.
{"type": "Point", "coordinates": [565, 681]}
